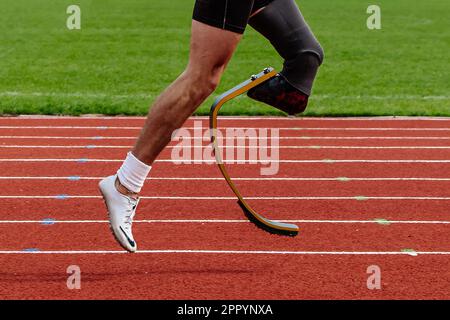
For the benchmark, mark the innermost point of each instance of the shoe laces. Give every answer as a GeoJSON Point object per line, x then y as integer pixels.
{"type": "Point", "coordinates": [131, 211]}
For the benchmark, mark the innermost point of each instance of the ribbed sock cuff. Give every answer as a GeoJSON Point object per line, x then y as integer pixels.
{"type": "Point", "coordinates": [132, 173]}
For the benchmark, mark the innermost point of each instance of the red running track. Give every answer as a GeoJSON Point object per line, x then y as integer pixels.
{"type": "Point", "coordinates": [386, 213]}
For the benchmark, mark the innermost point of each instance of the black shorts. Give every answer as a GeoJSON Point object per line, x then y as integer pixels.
{"type": "Point", "coordinates": [230, 15]}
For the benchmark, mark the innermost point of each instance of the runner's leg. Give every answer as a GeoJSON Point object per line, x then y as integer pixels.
{"type": "Point", "coordinates": [282, 23]}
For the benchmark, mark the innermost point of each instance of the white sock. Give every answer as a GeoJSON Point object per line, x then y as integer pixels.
{"type": "Point", "coordinates": [132, 173]}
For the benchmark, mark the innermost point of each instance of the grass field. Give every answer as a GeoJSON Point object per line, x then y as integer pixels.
{"type": "Point", "coordinates": [127, 52]}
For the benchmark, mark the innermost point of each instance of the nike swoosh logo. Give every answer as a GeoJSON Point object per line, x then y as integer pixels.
{"type": "Point", "coordinates": [131, 242]}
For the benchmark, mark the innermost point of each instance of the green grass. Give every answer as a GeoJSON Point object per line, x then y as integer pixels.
{"type": "Point", "coordinates": [127, 52]}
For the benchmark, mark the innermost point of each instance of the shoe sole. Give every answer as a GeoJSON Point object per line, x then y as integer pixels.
{"type": "Point", "coordinates": [110, 225]}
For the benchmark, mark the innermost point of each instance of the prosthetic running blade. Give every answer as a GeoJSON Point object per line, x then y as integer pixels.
{"type": "Point", "coordinates": [274, 227]}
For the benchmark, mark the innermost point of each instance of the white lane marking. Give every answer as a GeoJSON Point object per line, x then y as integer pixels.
{"type": "Point", "coordinates": [365, 138]}
{"type": "Point", "coordinates": [367, 129]}
{"type": "Point", "coordinates": [70, 138]}
{"type": "Point", "coordinates": [323, 128]}
{"type": "Point", "coordinates": [192, 138]}
{"type": "Point", "coordinates": [227, 221]}
{"type": "Point", "coordinates": [66, 147]}
{"type": "Point", "coordinates": [226, 147]}
{"type": "Point", "coordinates": [97, 138]}
{"type": "Point", "coordinates": [360, 198]}
{"type": "Point", "coordinates": [73, 127]}
{"type": "Point", "coordinates": [103, 128]}
{"type": "Point", "coordinates": [326, 161]}
{"type": "Point", "coordinates": [344, 179]}
{"type": "Point", "coordinates": [247, 252]}
{"type": "Point", "coordinates": [239, 118]}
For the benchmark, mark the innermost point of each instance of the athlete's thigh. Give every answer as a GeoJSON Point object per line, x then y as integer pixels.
{"type": "Point", "coordinates": [211, 48]}
{"type": "Point", "coordinates": [231, 15]}
{"type": "Point", "coordinates": [283, 24]}
{"type": "Point", "coordinates": [217, 28]}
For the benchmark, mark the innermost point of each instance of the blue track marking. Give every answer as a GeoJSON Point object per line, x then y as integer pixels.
{"type": "Point", "coordinates": [73, 178]}
{"type": "Point", "coordinates": [83, 160]}
{"type": "Point", "coordinates": [97, 138]}
{"type": "Point", "coordinates": [91, 146]}
{"type": "Point", "coordinates": [62, 197]}
{"type": "Point", "coordinates": [31, 250]}
{"type": "Point", "coordinates": [48, 221]}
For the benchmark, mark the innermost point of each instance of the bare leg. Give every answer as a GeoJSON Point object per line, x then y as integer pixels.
{"type": "Point", "coordinates": [211, 50]}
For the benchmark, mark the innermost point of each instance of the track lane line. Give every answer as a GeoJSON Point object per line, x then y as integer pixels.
{"type": "Point", "coordinates": [238, 118]}
{"type": "Point", "coordinates": [190, 162]}
{"type": "Point", "coordinates": [359, 198]}
{"type": "Point", "coordinates": [237, 252]}
{"type": "Point", "coordinates": [104, 128]}
{"type": "Point", "coordinates": [5, 146]}
{"type": "Point", "coordinates": [342, 179]}
{"type": "Point", "coordinates": [192, 138]}
{"type": "Point", "coordinates": [201, 221]}
{"type": "Point", "coordinates": [174, 164]}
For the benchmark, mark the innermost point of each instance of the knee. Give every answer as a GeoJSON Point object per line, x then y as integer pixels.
{"type": "Point", "coordinates": [301, 44]}
{"type": "Point", "coordinates": [318, 51]}
{"type": "Point", "coordinates": [314, 49]}
{"type": "Point", "coordinates": [204, 83]}
{"type": "Point", "coordinates": [211, 81]}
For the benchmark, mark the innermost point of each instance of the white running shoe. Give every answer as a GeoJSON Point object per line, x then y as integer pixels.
{"type": "Point", "coordinates": [121, 211]}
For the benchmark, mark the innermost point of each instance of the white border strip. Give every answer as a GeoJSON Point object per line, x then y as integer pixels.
{"type": "Point", "coordinates": [222, 147]}
{"type": "Point", "coordinates": [239, 118]}
{"type": "Point", "coordinates": [339, 179]}
{"type": "Point", "coordinates": [247, 252]}
{"type": "Point", "coordinates": [102, 138]}
{"type": "Point", "coordinates": [206, 146]}
{"type": "Point", "coordinates": [244, 128]}
{"type": "Point", "coordinates": [190, 162]}
{"type": "Point", "coordinates": [359, 198]}
{"type": "Point", "coordinates": [201, 221]}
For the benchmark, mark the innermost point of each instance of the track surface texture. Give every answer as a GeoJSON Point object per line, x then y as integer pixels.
{"type": "Point", "coordinates": [365, 192]}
